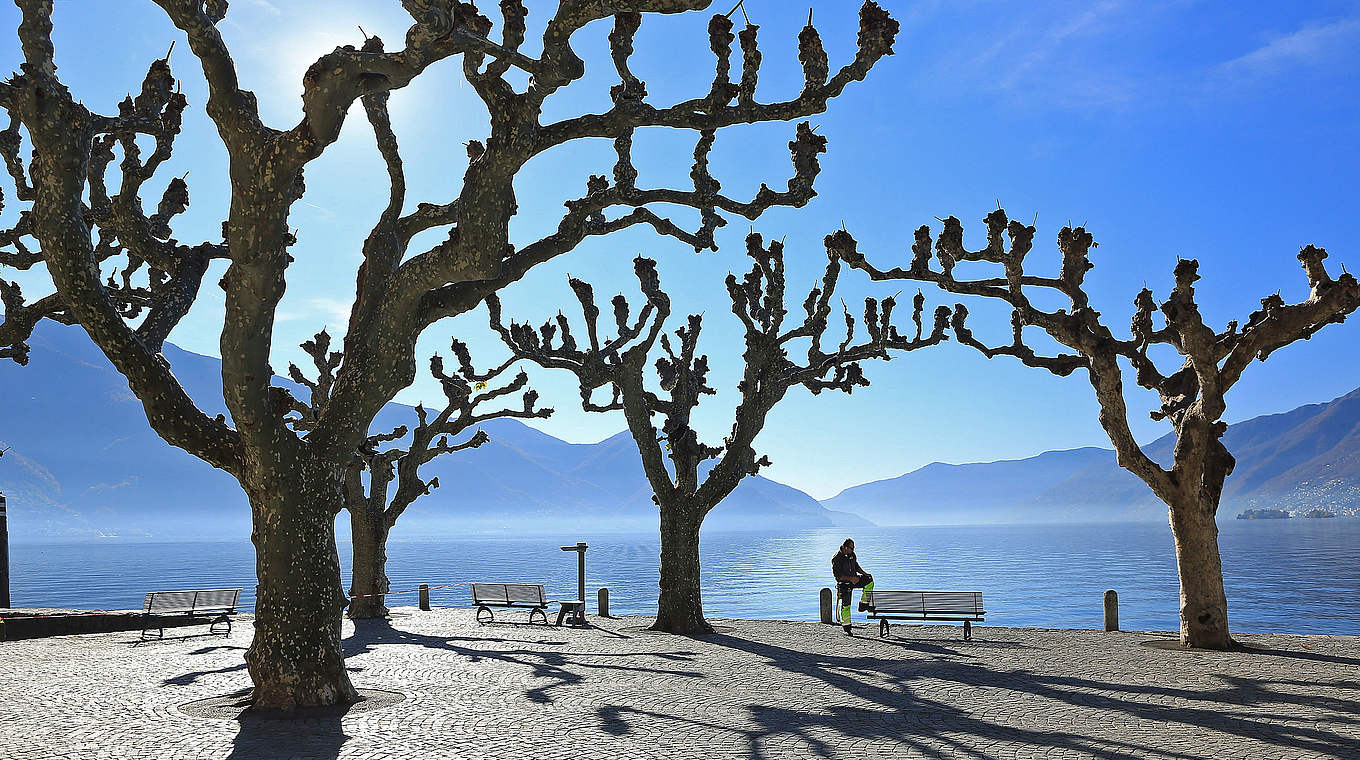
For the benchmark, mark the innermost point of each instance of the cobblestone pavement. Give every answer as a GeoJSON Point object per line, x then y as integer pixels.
{"type": "Point", "coordinates": [756, 689]}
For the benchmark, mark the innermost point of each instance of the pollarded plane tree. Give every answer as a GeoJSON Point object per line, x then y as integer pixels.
{"type": "Point", "coordinates": [295, 483]}
{"type": "Point", "coordinates": [1192, 390]}
{"type": "Point", "coordinates": [683, 492]}
{"type": "Point", "coordinates": [373, 505]}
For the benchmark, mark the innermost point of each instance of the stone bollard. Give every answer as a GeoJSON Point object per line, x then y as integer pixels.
{"type": "Point", "coordinates": [425, 597]}
{"type": "Point", "coordinates": [602, 602]}
{"type": "Point", "coordinates": [826, 606]}
{"type": "Point", "coordinates": [1111, 610]}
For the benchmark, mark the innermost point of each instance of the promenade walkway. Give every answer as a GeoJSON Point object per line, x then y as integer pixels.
{"type": "Point", "coordinates": [756, 689]}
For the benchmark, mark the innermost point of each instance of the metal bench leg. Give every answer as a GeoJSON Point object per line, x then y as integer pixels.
{"type": "Point", "coordinates": [489, 615]}
{"type": "Point", "coordinates": [212, 627]}
{"type": "Point", "coordinates": [541, 613]}
{"type": "Point", "coordinates": [561, 614]}
{"type": "Point", "coordinates": [160, 629]}
{"type": "Point", "coordinates": [967, 631]}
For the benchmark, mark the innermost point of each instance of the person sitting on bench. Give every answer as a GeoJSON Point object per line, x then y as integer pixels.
{"type": "Point", "coordinates": [850, 576]}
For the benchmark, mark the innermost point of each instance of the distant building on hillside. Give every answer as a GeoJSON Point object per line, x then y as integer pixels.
{"type": "Point", "coordinates": [1264, 514]}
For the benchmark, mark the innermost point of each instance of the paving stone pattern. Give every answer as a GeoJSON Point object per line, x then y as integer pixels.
{"type": "Point", "coordinates": [757, 689]}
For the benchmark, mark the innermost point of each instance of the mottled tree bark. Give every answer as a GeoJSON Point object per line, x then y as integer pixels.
{"type": "Point", "coordinates": [1192, 396]}
{"type": "Point", "coordinates": [295, 659]}
{"type": "Point", "coordinates": [680, 608]}
{"type": "Point", "coordinates": [1204, 604]}
{"type": "Point", "coordinates": [368, 531]}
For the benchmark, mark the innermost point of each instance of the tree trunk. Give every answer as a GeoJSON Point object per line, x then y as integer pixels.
{"type": "Point", "coordinates": [680, 608]}
{"type": "Point", "coordinates": [369, 534]}
{"type": "Point", "coordinates": [296, 659]}
{"type": "Point", "coordinates": [1204, 605]}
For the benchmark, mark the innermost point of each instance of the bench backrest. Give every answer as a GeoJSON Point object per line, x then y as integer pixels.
{"type": "Point", "coordinates": [509, 593]}
{"type": "Point", "coordinates": [929, 602]}
{"type": "Point", "coordinates": [191, 601]}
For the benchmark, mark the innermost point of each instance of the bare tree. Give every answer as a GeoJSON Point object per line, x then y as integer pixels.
{"type": "Point", "coordinates": [373, 511]}
{"type": "Point", "coordinates": [683, 493]}
{"type": "Point", "coordinates": [1192, 394]}
{"type": "Point", "coordinates": [295, 483]}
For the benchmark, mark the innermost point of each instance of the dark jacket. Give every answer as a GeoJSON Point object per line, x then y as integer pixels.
{"type": "Point", "coordinates": [843, 564]}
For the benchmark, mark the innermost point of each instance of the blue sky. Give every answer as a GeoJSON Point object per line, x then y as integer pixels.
{"type": "Point", "coordinates": [1223, 131]}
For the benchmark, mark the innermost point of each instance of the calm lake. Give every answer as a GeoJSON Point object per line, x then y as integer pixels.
{"type": "Point", "coordinates": [1298, 576]}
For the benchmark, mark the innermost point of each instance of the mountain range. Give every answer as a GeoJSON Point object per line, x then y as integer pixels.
{"type": "Point", "coordinates": [1305, 458]}
{"type": "Point", "coordinates": [84, 463]}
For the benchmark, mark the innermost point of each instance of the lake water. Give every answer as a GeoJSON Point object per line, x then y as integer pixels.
{"type": "Point", "coordinates": [1299, 576]}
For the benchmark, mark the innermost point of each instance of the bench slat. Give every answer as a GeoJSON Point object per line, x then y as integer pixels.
{"type": "Point", "coordinates": [509, 594]}
{"type": "Point", "coordinates": [927, 604]}
{"type": "Point", "coordinates": [489, 593]}
{"type": "Point", "coordinates": [191, 600]}
{"type": "Point", "coordinates": [525, 593]}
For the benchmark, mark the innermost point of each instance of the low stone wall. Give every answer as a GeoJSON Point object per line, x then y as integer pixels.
{"type": "Point", "coordinates": [41, 623]}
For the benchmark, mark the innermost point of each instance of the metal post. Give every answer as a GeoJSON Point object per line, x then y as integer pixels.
{"type": "Point", "coordinates": [4, 555]}
{"type": "Point", "coordinates": [425, 597]}
{"type": "Point", "coordinates": [602, 608]}
{"type": "Point", "coordinates": [580, 549]}
{"type": "Point", "coordinates": [1111, 610]}
{"type": "Point", "coordinates": [825, 596]}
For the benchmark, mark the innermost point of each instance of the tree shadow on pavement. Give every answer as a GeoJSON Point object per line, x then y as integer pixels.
{"type": "Point", "coordinates": [562, 670]}
{"type": "Point", "coordinates": [1310, 656]}
{"type": "Point", "coordinates": [317, 738]}
{"type": "Point", "coordinates": [185, 679]}
{"type": "Point", "coordinates": [902, 713]}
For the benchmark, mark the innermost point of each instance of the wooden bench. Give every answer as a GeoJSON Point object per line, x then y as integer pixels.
{"type": "Point", "coordinates": [930, 606]}
{"type": "Point", "coordinates": [214, 606]}
{"type": "Point", "coordinates": [524, 595]}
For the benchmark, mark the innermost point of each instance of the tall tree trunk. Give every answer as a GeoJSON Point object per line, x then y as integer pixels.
{"type": "Point", "coordinates": [296, 658]}
{"type": "Point", "coordinates": [369, 577]}
{"type": "Point", "coordinates": [680, 608]}
{"type": "Point", "coordinates": [1204, 605]}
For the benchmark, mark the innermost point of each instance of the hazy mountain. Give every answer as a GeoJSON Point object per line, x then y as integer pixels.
{"type": "Point", "coordinates": [85, 463]}
{"type": "Point", "coordinates": [1307, 457]}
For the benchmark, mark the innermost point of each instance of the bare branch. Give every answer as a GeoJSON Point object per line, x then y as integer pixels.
{"type": "Point", "coordinates": [1192, 395]}
{"type": "Point", "coordinates": [758, 302]}
{"type": "Point", "coordinates": [876, 34]}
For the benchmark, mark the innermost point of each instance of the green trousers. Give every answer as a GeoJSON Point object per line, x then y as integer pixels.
{"type": "Point", "coordinates": [847, 590]}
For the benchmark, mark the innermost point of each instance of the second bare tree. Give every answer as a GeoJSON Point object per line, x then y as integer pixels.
{"type": "Point", "coordinates": [683, 490]}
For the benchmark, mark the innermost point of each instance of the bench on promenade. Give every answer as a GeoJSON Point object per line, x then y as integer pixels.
{"type": "Point", "coordinates": [930, 606]}
{"type": "Point", "coordinates": [214, 606]}
{"type": "Point", "coordinates": [529, 596]}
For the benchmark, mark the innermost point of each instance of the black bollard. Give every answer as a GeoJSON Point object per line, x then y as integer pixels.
{"type": "Point", "coordinates": [1111, 610]}
{"type": "Point", "coordinates": [425, 597]}
{"type": "Point", "coordinates": [825, 598]}
{"type": "Point", "coordinates": [602, 602]}
{"type": "Point", "coordinates": [4, 555]}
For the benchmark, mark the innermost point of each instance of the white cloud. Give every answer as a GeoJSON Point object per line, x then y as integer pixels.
{"type": "Point", "coordinates": [333, 311]}
{"type": "Point", "coordinates": [267, 6]}
{"type": "Point", "coordinates": [1050, 53]}
{"type": "Point", "coordinates": [1311, 45]}
{"type": "Point", "coordinates": [1088, 22]}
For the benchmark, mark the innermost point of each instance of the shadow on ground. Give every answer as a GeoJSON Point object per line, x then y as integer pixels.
{"type": "Point", "coordinates": [561, 669]}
